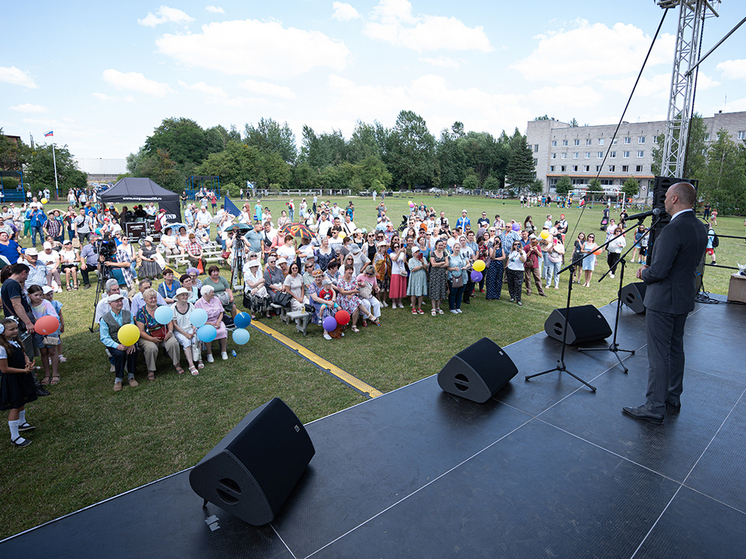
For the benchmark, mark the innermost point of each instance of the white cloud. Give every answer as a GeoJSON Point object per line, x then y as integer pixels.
{"type": "Point", "coordinates": [16, 77]}
{"type": "Point", "coordinates": [29, 108]}
{"type": "Point", "coordinates": [733, 69]}
{"type": "Point", "coordinates": [202, 87]}
{"type": "Point", "coordinates": [104, 97]}
{"type": "Point", "coordinates": [344, 12]}
{"type": "Point", "coordinates": [268, 89]}
{"type": "Point", "coordinates": [392, 22]}
{"type": "Point", "coordinates": [215, 9]}
{"type": "Point", "coordinates": [591, 51]}
{"type": "Point", "coordinates": [442, 62]}
{"type": "Point", "coordinates": [136, 82]}
{"type": "Point", "coordinates": [255, 48]}
{"type": "Point", "coordinates": [166, 14]}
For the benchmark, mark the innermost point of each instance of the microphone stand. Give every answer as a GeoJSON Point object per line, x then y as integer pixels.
{"type": "Point", "coordinates": [614, 347]}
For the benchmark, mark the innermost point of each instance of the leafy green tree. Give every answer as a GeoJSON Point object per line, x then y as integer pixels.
{"type": "Point", "coordinates": [631, 187]}
{"type": "Point", "coordinates": [450, 155]}
{"type": "Point", "coordinates": [724, 179]}
{"type": "Point", "coordinates": [491, 183]}
{"type": "Point", "coordinates": [471, 182]}
{"type": "Point", "coordinates": [184, 140]}
{"type": "Point", "coordinates": [545, 117]}
{"type": "Point", "coordinates": [304, 176]}
{"type": "Point", "coordinates": [268, 136]}
{"type": "Point", "coordinates": [536, 187]}
{"type": "Point", "coordinates": [564, 185]}
{"type": "Point", "coordinates": [39, 169]}
{"type": "Point", "coordinates": [595, 186]}
{"type": "Point", "coordinates": [323, 149]}
{"type": "Point", "coordinates": [372, 173]}
{"type": "Point", "coordinates": [366, 141]}
{"type": "Point", "coordinates": [12, 155]}
{"type": "Point", "coordinates": [411, 159]}
{"type": "Point", "coordinates": [521, 170]}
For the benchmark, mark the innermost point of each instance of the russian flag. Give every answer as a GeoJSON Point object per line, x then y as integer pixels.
{"type": "Point", "coordinates": [50, 133]}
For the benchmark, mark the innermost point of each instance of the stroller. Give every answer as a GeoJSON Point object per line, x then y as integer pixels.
{"type": "Point", "coordinates": [604, 224]}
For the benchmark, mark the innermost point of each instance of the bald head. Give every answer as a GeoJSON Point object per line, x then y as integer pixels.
{"type": "Point", "coordinates": [680, 196]}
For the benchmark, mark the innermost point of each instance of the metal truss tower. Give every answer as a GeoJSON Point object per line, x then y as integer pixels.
{"type": "Point", "coordinates": [692, 15]}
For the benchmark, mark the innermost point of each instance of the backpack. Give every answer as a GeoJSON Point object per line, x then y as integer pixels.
{"type": "Point", "coordinates": [715, 240]}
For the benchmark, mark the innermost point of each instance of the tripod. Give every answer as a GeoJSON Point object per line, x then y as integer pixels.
{"type": "Point", "coordinates": [103, 276]}
{"type": "Point", "coordinates": [237, 264]}
{"type": "Point", "coordinates": [561, 361]}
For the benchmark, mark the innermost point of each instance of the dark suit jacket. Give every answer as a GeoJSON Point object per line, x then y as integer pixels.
{"type": "Point", "coordinates": [671, 285]}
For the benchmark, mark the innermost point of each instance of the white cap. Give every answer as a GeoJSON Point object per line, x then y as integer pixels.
{"type": "Point", "coordinates": [114, 297]}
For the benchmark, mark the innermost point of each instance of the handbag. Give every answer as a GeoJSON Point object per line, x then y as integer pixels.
{"type": "Point", "coordinates": [458, 281]}
{"type": "Point", "coordinates": [159, 332]}
{"type": "Point", "coordinates": [283, 299]}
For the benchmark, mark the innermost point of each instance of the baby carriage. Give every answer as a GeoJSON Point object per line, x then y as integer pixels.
{"type": "Point", "coordinates": [604, 224]}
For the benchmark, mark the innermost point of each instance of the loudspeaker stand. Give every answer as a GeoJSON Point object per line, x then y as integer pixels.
{"type": "Point", "coordinates": [561, 368]}
{"type": "Point", "coordinates": [614, 347]}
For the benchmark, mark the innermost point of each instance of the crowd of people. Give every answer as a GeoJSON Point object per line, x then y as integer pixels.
{"type": "Point", "coordinates": [312, 259]}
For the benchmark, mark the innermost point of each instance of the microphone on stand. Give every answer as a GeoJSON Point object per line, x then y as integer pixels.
{"type": "Point", "coordinates": [655, 212]}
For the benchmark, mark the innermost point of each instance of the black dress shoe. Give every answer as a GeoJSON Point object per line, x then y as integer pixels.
{"type": "Point", "coordinates": [41, 391]}
{"type": "Point", "coordinates": [673, 407]}
{"type": "Point", "coordinates": [643, 414]}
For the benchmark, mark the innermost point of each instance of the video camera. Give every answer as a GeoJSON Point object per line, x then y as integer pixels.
{"type": "Point", "coordinates": [404, 222]}
{"type": "Point", "coordinates": [106, 248]}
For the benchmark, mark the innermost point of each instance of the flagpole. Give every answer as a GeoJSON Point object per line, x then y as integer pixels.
{"type": "Point", "coordinates": [56, 186]}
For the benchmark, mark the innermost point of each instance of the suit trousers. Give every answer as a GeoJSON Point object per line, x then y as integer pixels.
{"type": "Point", "coordinates": [665, 359]}
{"type": "Point", "coordinates": [122, 362]}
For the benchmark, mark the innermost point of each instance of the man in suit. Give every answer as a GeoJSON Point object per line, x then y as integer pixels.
{"type": "Point", "coordinates": [669, 298]}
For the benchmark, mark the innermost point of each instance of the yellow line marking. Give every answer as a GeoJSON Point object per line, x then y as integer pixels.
{"type": "Point", "coordinates": [319, 361]}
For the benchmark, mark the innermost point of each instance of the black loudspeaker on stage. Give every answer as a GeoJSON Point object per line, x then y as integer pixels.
{"type": "Point", "coordinates": [478, 372]}
{"type": "Point", "coordinates": [254, 468]}
{"type": "Point", "coordinates": [633, 295]}
{"type": "Point", "coordinates": [586, 324]}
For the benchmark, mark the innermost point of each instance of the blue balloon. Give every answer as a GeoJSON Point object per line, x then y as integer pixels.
{"type": "Point", "coordinates": [242, 320]}
{"type": "Point", "coordinates": [476, 276]}
{"type": "Point", "coordinates": [198, 317]}
{"type": "Point", "coordinates": [207, 333]}
{"type": "Point", "coordinates": [241, 336]}
{"type": "Point", "coordinates": [164, 314]}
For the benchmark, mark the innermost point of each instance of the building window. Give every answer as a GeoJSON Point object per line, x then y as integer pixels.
{"type": "Point", "coordinates": [614, 142]}
{"type": "Point", "coordinates": [742, 135]}
{"type": "Point", "coordinates": [562, 168]}
{"type": "Point", "coordinates": [640, 154]}
{"type": "Point", "coordinates": [586, 168]}
{"type": "Point", "coordinates": [611, 168]}
{"type": "Point", "coordinates": [536, 162]}
{"type": "Point", "coordinates": [536, 148]}
{"type": "Point", "coordinates": [551, 168]}
{"type": "Point", "coordinates": [627, 140]}
{"type": "Point", "coordinates": [575, 168]}
{"type": "Point", "coordinates": [575, 155]}
{"type": "Point", "coordinates": [576, 142]}
{"type": "Point", "coordinates": [638, 169]}
{"type": "Point", "coordinates": [612, 154]}
{"type": "Point", "coordinates": [587, 154]}
{"type": "Point", "coordinates": [554, 143]}
{"type": "Point", "coordinates": [554, 156]}
{"type": "Point", "coordinates": [625, 168]}
{"type": "Point", "coordinates": [600, 141]}
{"type": "Point", "coordinates": [707, 137]}
{"type": "Point", "coordinates": [625, 154]}
{"type": "Point", "coordinates": [588, 142]}
{"type": "Point", "coordinates": [563, 156]}
{"type": "Point", "coordinates": [655, 139]}
{"type": "Point", "coordinates": [599, 155]}
{"type": "Point", "coordinates": [641, 140]}
{"type": "Point", "coordinates": [598, 168]}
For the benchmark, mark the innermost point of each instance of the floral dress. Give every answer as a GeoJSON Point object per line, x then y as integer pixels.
{"type": "Point", "coordinates": [349, 303]}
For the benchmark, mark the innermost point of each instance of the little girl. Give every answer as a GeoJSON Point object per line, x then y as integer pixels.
{"type": "Point", "coordinates": [47, 344]}
{"type": "Point", "coordinates": [16, 383]}
{"type": "Point", "coordinates": [49, 296]}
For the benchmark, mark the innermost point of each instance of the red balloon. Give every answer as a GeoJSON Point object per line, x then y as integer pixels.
{"type": "Point", "coordinates": [46, 325]}
{"type": "Point", "coordinates": [343, 317]}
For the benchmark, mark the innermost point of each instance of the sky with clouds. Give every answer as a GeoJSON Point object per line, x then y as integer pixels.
{"type": "Point", "coordinates": [103, 75]}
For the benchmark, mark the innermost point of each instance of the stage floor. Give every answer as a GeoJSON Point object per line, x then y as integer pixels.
{"type": "Point", "coordinates": [546, 468]}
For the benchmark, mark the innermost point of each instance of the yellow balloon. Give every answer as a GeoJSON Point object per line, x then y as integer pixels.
{"type": "Point", "coordinates": [478, 265]}
{"type": "Point", "coordinates": [44, 200]}
{"type": "Point", "coordinates": [544, 235]}
{"type": "Point", "coordinates": [128, 334]}
{"type": "Point", "coordinates": [342, 234]}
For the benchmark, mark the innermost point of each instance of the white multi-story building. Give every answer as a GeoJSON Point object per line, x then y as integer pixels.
{"type": "Point", "coordinates": [584, 152]}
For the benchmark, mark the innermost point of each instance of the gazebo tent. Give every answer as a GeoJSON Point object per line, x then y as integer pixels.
{"type": "Point", "coordinates": [135, 190]}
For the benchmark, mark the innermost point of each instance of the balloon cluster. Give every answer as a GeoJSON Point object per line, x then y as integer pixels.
{"type": "Point", "coordinates": [340, 319]}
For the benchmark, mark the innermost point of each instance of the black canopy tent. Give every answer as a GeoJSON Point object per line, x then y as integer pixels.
{"type": "Point", "coordinates": [138, 190]}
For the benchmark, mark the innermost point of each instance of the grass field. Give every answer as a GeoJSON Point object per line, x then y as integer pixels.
{"type": "Point", "coordinates": [92, 443]}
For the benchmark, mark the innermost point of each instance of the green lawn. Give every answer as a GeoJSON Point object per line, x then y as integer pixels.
{"type": "Point", "coordinates": [92, 443]}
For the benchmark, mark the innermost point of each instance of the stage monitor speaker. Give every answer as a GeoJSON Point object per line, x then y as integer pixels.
{"type": "Point", "coordinates": [478, 372]}
{"type": "Point", "coordinates": [633, 295]}
{"type": "Point", "coordinates": [251, 472]}
{"type": "Point", "coordinates": [586, 324]}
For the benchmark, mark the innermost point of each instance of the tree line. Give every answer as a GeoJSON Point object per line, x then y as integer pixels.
{"type": "Point", "coordinates": [403, 157]}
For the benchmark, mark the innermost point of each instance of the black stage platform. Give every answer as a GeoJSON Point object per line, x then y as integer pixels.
{"type": "Point", "coordinates": [545, 469]}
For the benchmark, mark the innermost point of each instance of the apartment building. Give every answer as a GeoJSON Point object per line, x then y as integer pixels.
{"type": "Point", "coordinates": [584, 152]}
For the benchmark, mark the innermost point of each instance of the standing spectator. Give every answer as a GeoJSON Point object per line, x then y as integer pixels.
{"type": "Point", "coordinates": [533, 257]}
{"type": "Point", "coordinates": [516, 259]}
{"type": "Point", "coordinates": [17, 388]}
{"type": "Point", "coordinates": [46, 344]}
{"type": "Point", "coordinates": [438, 286]}
{"type": "Point", "coordinates": [589, 249]}
{"type": "Point", "coordinates": [398, 288]}
{"type": "Point", "coordinates": [457, 270]}
{"type": "Point", "coordinates": [82, 226]}
{"type": "Point", "coordinates": [494, 274]}
{"type": "Point", "coordinates": [37, 218]}
{"type": "Point", "coordinates": [555, 251]}
{"type": "Point", "coordinates": [54, 226]}
{"type": "Point", "coordinates": [417, 284]}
